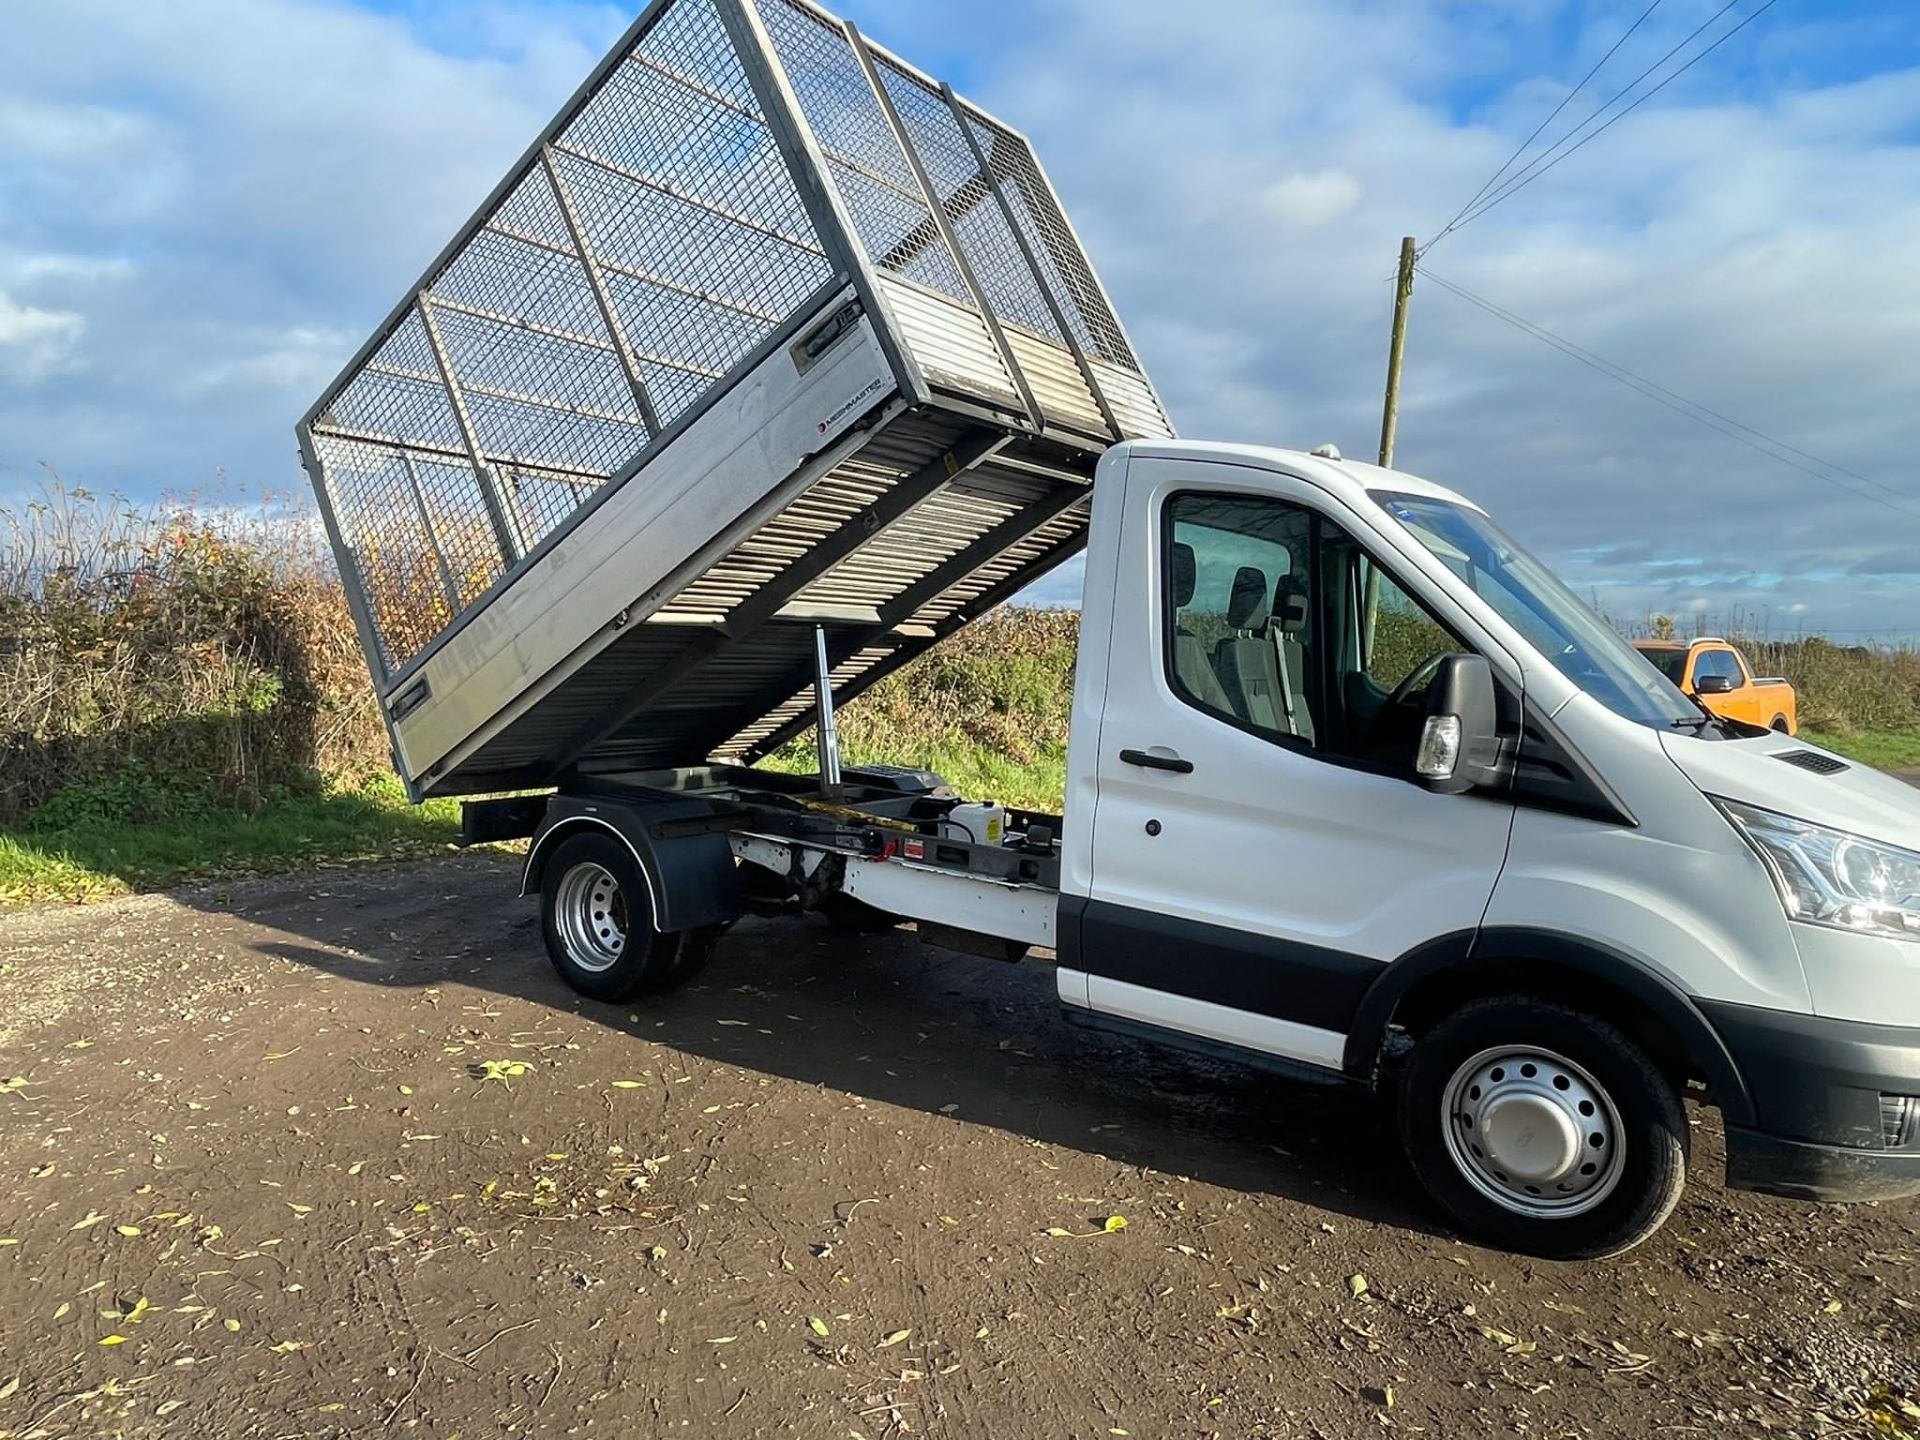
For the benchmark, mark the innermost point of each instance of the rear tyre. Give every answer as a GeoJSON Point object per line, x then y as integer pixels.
{"type": "Point", "coordinates": [596, 914]}
{"type": "Point", "coordinates": [1543, 1129]}
{"type": "Point", "coordinates": [1780, 725]}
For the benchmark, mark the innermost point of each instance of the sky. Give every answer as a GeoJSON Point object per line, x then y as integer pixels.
{"type": "Point", "coordinates": [205, 206]}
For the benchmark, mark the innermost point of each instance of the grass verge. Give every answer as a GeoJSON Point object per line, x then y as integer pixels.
{"type": "Point", "coordinates": [93, 856]}
{"type": "Point", "coordinates": [1883, 749]}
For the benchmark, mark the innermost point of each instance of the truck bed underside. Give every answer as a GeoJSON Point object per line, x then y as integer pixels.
{"type": "Point", "coordinates": [896, 547]}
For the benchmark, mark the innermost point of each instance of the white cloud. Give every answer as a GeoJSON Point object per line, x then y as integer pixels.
{"type": "Point", "coordinates": [1308, 200]}
{"type": "Point", "coordinates": [36, 344]}
{"type": "Point", "coordinates": [298, 360]}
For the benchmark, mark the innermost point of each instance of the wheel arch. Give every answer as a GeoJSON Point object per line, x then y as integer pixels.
{"type": "Point", "coordinates": [691, 877]}
{"type": "Point", "coordinates": [1436, 978]}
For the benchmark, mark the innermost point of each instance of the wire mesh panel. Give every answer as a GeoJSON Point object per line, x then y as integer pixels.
{"type": "Point", "coordinates": [637, 258]}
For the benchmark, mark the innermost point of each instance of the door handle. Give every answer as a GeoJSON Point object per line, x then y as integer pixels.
{"type": "Point", "coordinates": [1147, 760]}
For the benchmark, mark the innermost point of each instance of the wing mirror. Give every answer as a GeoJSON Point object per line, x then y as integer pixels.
{"type": "Point", "coordinates": [1712, 684]}
{"type": "Point", "coordinates": [1460, 747]}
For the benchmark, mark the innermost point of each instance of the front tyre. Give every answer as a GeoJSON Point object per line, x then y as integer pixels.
{"type": "Point", "coordinates": [1543, 1129]}
{"type": "Point", "coordinates": [596, 914]}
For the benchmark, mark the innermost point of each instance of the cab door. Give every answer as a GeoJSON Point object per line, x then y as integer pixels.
{"type": "Point", "coordinates": [1260, 849]}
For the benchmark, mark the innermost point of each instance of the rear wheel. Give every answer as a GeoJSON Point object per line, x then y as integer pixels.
{"type": "Point", "coordinates": [1543, 1129]}
{"type": "Point", "coordinates": [1780, 725]}
{"type": "Point", "coordinates": [596, 913]}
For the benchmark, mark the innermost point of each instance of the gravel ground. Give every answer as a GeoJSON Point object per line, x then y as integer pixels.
{"type": "Point", "coordinates": [337, 1154]}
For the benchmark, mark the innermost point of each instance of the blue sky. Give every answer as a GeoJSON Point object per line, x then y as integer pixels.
{"type": "Point", "coordinates": [205, 206]}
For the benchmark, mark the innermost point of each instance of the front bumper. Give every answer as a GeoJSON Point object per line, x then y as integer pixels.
{"type": "Point", "coordinates": [1836, 1105]}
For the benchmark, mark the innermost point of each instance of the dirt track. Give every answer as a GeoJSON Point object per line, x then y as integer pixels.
{"type": "Point", "coordinates": [814, 1195]}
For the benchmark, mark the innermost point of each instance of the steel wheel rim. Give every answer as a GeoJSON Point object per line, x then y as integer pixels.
{"type": "Point", "coordinates": [1533, 1132]}
{"type": "Point", "coordinates": [590, 910]}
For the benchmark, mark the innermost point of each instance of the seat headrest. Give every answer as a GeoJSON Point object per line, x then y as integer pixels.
{"type": "Point", "coordinates": [1183, 576]}
{"type": "Point", "coordinates": [1290, 608]}
{"type": "Point", "coordinates": [1247, 610]}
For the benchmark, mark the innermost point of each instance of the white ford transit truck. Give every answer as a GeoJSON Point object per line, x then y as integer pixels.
{"type": "Point", "coordinates": [773, 362]}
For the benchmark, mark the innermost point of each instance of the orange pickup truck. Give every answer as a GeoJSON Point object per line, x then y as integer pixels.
{"type": "Point", "coordinates": [1719, 674]}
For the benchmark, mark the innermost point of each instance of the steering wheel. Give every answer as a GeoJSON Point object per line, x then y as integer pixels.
{"type": "Point", "coordinates": [1420, 675]}
{"type": "Point", "coordinates": [1387, 732]}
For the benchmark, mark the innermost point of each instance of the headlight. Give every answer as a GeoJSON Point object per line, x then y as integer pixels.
{"type": "Point", "coordinates": [1828, 877]}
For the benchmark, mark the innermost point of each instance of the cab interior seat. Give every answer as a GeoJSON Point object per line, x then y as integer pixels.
{"type": "Point", "coordinates": [1261, 664]}
{"type": "Point", "coordinates": [1190, 663]}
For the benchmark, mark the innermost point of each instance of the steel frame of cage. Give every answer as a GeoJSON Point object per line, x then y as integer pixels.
{"type": "Point", "coordinates": [1052, 262]}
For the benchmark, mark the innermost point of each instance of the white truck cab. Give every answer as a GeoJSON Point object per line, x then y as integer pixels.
{"type": "Point", "coordinates": [1630, 894]}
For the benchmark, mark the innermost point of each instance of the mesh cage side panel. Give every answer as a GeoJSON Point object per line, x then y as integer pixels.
{"type": "Point", "coordinates": [382, 510]}
{"type": "Point", "coordinates": [696, 243]}
{"type": "Point", "coordinates": [967, 199]}
{"type": "Point", "coordinates": [873, 176]}
{"type": "Point", "coordinates": [1064, 267]}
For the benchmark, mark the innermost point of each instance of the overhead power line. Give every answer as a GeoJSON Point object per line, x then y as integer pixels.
{"type": "Point", "coordinates": [1527, 143]}
{"type": "Point", "coordinates": [1852, 481]}
{"type": "Point", "coordinates": [1555, 153]}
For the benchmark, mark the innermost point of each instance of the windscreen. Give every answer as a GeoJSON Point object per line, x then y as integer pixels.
{"type": "Point", "coordinates": [1535, 602]}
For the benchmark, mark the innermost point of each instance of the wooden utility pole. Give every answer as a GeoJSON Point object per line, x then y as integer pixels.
{"type": "Point", "coordinates": [1402, 294]}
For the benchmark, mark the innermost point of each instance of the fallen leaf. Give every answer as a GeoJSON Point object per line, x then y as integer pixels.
{"type": "Point", "coordinates": [948, 1109]}
{"type": "Point", "coordinates": [1834, 1307]}
{"type": "Point", "coordinates": [628, 1084]}
{"type": "Point", "coordinates": [94, 1217]}
{"type": "Point", "coordinates": [231, 1323]}
{"type": "Point", "coordinates": [723, 1339]}
{"type": "Point", "coordinates": [127, 1230]}
{"type": "Point", "coordinates": [299, 1209]}
{"type": "Point", "coordinates": [657, 1252]}
{"type": "Point", "coordinates": [730, 1022]}
{"type": "Point", "coordinates": [63, 1311]}
{"type": "Point", "coordinates": [818, 1326]}
{"type": "Point", "coordinates": [6, 1390]}
{"type": "Point", "coordinates": [1113, 1223]}
{"type": "Point", "coordinates": [1356, 1285]}
{"type": "Point", "coordinates": [287, 1347]}
{"type": "Point", "coordinates": [895, 1338]}
{"type": "Point", "coordinates": [113, 1339]}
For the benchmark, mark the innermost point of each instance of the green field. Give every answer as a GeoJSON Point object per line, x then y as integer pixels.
{"type": "Point", "coordinates": [1886, 749]}
{"type": "Point", "coordinates": [84, 852]}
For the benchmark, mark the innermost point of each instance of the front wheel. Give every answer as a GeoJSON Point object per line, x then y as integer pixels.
{"type": "Point", "coordinates": [1543, 1129]}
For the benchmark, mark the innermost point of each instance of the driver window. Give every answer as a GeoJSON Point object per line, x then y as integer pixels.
{"type": "Point", "coordinates": [1384, 676]}
{"type": "Point", "coordinates": [1280, 624]}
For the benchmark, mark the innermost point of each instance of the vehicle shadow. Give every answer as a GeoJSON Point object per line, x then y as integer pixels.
{"type": "Point", "coordinates": [883, 1017]}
